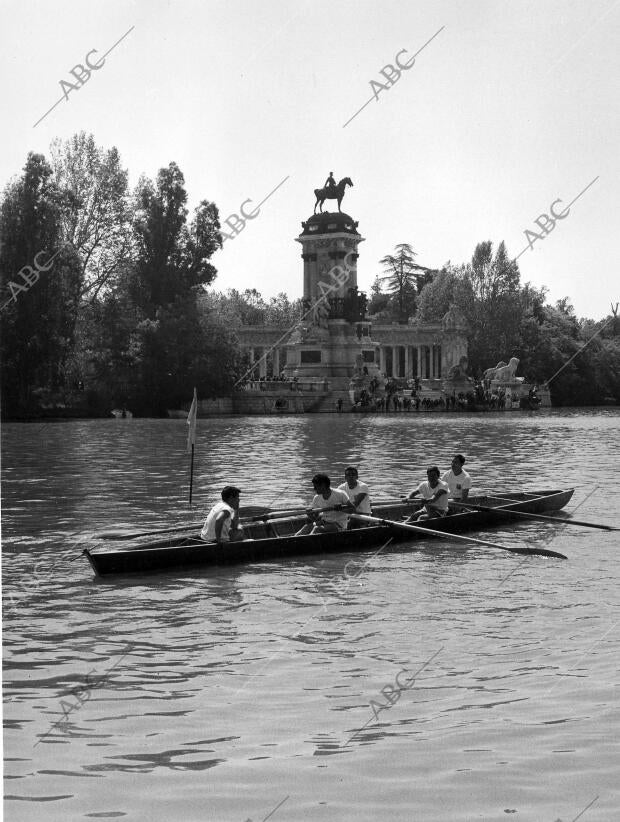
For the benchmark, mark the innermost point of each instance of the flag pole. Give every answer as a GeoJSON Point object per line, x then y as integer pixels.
{"type": "Point", "coordinates": [191, 477]}
{"type": "Point", "coordinates": [191, 439]}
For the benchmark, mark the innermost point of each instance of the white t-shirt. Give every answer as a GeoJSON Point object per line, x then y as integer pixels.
{"type": "Point", "coordinates": [426, 492]}
{"type": "Point", "coordinates": [457, 484]}
{"type": "Point", "coordinates": [336, 497]}
{"type": "Point", "coordinates": [208, 529]}
{"type": "Point", "coordinates": [360, 488]}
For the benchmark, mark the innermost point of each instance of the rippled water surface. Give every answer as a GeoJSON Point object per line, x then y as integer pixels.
{"type": "Point", "coordinates": [273, 690]}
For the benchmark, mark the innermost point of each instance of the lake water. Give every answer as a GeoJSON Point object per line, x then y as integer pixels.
{"type": "Point", "coordinates": [256, 692]}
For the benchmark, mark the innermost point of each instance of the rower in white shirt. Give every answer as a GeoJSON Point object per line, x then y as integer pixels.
{"type": "Point", "coordinates": [356, 491]}
{"type": "Point", "coordinates": [459, 481]}
{"type": "Point", "coordinates": [434, 493]}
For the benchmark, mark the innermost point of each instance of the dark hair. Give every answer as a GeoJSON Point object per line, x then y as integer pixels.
{"type": "Point", "coordinates": [321, 479]}
{"type": "Point", "coordinates": [353, 470]}
{"type": "Point", "coordinates": [433, 468]}
{"type": "Point", "coordinates": [229, 491]}
{"type": "Point", "coordinates": [460, 458]}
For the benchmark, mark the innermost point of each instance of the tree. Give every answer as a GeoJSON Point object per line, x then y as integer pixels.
{"type": "Point", "coordinates": [400, 275]}
{"type": "Point", "coordinates": [489, 297]}
{"type": "Point", "coordinates": [170, 256]}
{"type": "Point", "coordinates": [40, 306]}
{"type": "Point", "coordinates": [436, 296]}
{"type": "Point", "coordinates": [94, 207]}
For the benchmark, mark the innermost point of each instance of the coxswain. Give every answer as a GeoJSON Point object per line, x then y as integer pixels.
{"type": "Point", "coordinates": [356, 491]}
{"type": "Point", "coordinates": [434, 493]}
{"type": "Point", "coordinates": [459, 481]}
{"type": "Point", "coordinates": [222, 522]}
{"type": "Point", "coordinates": [329, 509]}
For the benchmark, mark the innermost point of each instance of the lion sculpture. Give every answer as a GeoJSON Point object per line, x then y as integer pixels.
{"type": "Point", "coordinates": [507, 372]}
{"type": "Point", "coordinates": [489, 374]}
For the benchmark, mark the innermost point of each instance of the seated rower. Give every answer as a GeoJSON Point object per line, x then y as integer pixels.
{"type": "Point", "coordinates": [327, 521]}
{"type": "Point", "coordinates": [434, 493]}
{"type": "Point", "coordinates": [222, 522]}
{"type": "Point", "coordinates": [459, 481]}
{"type": "Point", "coordinates": [356, 491]}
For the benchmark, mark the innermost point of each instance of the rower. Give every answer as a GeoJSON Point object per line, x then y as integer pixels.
{"type": "Point", "coordinates": [434, 493]}
{"type": "Point", "coordinates": [222, 522]}
{"type": "Point", "coordinates": [331, 521]}
{"type": "Point", "coordinates": [459, 481]}
{"type": "Point", "coordinates": [356, 491]}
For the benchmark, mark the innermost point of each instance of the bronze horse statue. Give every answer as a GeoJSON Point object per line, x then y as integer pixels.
{"type": "Point", "coordinates": [331, 193]}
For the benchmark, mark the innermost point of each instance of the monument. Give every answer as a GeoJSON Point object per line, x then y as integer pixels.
{"type": "Point", "coordinates": [332, 345]}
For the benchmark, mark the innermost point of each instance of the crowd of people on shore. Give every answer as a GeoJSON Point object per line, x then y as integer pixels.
{"type": "Point", "coordinates": [334, 509]}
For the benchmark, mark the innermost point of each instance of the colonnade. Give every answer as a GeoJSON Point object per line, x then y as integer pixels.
{"type": "Point", "coordinates": [269, 365]}
{"type": "Point", "coordinates": [408, 361]}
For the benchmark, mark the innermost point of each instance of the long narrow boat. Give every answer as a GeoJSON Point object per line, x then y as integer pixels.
{"type": "Point", "coordinates": [277, 541]}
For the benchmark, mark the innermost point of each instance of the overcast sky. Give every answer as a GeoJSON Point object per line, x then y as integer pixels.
{"type": "Point", "coordinates": [512, 106]}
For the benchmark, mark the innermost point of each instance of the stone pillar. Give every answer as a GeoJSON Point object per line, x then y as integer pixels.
{"type": "Point", "coordinates": [262, 368]}
{"type": "Point", "coordinates": [382, 362]}
{"type": "Point", "coordinates": [407, 362]}
{"type": "Point", "coordinates": [251, 358]}
{"type": "Point", "coordinates": [439, 360]}
{"type": "Point", "coordinates": [432, 361]}
{"type": "Point", "coordinates": [395, 362]}
{"type": "Point", "coordinates": [276, 362]}
{"type": "Point", "coordinates": [419, 350]}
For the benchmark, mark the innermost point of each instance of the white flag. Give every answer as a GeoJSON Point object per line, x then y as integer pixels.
{"type": "Point", "coordinates": [191, 421]}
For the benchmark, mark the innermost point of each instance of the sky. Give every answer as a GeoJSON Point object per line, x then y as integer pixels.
{"type": "Point", "coordinates": [509, 110]}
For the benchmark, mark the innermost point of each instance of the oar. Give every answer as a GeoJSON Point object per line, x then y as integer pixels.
{"type": "Point", "coordinates": [120, 534]}
{"type": "Point", "coordinates": [459, 537]}
{"type": "Point", "coordinates": [550, 519]}
{"type": "Point", "coordinates": [135, 534]}
{"type": "Point", "coordinates": [290, 512]}
{"type": "Point", "coordinates": [543, 517]}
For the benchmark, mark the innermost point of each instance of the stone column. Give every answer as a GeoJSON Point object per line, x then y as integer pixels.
{"type": "Point", "coordinates": [276, 362]}
{"type": "Point", "coordinates": [382, 362]}
{"type": "Point", "coordinates": [439, 360]}
{"type": "Point", "coordinates": [262, 368]}
{"type": "Point", "coordinates": [407, 362]}
{"type": "Point", "coordinates": [395, 362]}
{"type": "Point", "coordinates": [419, 351]}
{"type": "Point", "coordinates": [251, 358]}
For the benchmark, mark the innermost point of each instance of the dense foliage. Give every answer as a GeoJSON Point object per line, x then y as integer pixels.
{"type": "Point", "coordinates": [106, 298]}
{"type": "Point", "coordinates": [116, 320]}
{"type": "Point", "coordinates": [580, 359]}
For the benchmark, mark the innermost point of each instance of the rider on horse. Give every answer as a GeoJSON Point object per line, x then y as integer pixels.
{"type": "Point", "coordinates": [330, 182]}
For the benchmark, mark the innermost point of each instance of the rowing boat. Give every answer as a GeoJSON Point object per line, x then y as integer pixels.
{"type": "Point", "coordinates": [277, 541]}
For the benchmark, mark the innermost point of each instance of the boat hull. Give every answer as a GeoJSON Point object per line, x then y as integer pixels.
{"type": "Point", "coordinates": [279, 543]}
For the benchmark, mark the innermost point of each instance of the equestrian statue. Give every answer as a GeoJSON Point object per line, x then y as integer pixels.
{"type": "Point", "coordinates": [331, 191]}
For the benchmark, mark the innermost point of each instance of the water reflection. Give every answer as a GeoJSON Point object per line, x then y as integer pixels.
{"type": "Point", "coordinates": [241, 680]}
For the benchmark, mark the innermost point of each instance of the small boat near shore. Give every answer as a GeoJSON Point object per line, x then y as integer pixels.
{"type": "Point", "coordinates": [277, 541]}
